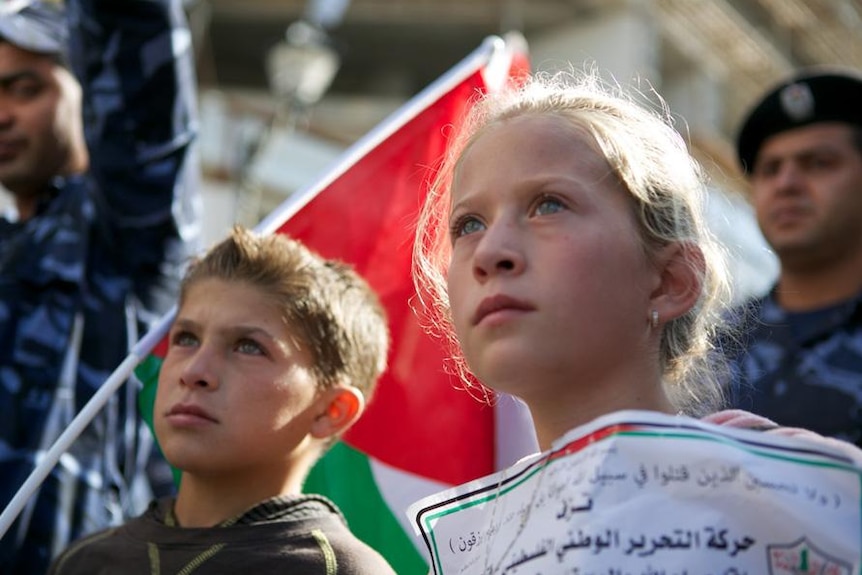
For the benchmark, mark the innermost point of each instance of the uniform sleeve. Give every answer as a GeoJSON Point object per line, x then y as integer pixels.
{"type": "Point", "coordinates": [134, 60]}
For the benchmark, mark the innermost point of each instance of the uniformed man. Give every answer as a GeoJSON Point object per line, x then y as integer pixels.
{"type": "Point", "coordinates": [801, 359]}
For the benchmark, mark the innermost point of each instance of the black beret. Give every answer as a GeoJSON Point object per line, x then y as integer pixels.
{"type": "Point", "coordinates": [809, 97]}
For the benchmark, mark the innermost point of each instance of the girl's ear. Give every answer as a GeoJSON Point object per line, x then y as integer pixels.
{"type": "Point", "coordinates": [341, 407]}
{"type": "Point", "coordinates": [681, 268]}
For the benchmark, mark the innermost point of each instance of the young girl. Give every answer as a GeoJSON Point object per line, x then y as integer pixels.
{"type": "Point", "coordinates": [563, 251]}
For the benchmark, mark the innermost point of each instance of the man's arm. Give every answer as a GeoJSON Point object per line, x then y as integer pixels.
{"type": "Point", "coordinates": [134, 60]}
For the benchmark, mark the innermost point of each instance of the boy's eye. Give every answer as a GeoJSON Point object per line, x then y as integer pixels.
{"type": "Point", "coordinates": [548, 205]}
{"type": "Point", "coordinates": [466, 225]}
{"type": "Point", "coordinates": [249, 346]}
{"type": "Point", "coordinates": [184, 339]}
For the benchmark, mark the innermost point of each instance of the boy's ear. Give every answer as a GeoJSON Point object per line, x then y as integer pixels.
{"type": "Point", "coordinates": [681, 267]}
{"type": "Point", "coordinates": [341, 406]}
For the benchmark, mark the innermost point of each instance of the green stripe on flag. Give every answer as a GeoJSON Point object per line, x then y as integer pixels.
{"type": "Point", "coordinates": [148, 373]}
{"type": "Point", "coordinates": [368, 515]}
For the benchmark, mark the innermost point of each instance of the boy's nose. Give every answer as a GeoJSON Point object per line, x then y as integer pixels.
{"type": "Point", "coordinates": [199, 371]}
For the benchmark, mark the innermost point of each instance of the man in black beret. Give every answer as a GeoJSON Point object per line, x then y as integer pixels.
{"type": "Point", "coordinates": [800, 361]}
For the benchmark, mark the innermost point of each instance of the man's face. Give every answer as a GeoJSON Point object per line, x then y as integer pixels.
{"type": "Point", "coordinates": [807, 192]}
{"type": "Point", "coordinates": [39, 120]}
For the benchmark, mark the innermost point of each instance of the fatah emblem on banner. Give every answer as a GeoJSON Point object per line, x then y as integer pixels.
{"type": "Point", "coordinates": [797, 101]}
{"type": "Point", "coordinates": [803, 558]}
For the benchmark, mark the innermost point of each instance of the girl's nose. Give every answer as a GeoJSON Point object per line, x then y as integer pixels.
{"type": "Point", "coordinates": [498, 251]}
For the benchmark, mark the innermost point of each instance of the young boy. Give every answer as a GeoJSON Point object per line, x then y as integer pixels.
{"type": "Point", "coordinates": [274, 353]}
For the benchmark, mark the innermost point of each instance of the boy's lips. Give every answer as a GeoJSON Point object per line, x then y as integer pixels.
{"type": "Point", "coordinates": [190, 411]}
{"type": "Point", "coordinates": [497, 303]}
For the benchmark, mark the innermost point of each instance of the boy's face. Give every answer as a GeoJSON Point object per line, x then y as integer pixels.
{"type": "Point", "coordinates": [236, 395]}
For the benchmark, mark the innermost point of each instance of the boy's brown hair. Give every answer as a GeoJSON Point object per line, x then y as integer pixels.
{"type": "Point", "coordinates": [325, 303]}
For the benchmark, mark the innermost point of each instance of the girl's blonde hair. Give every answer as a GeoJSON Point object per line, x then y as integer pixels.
{"type": "Point", "coordinates": [667, 186]}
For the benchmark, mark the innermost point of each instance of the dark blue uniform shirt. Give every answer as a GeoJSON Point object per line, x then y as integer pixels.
{"type": "Point", "coordinates": [802, 369]}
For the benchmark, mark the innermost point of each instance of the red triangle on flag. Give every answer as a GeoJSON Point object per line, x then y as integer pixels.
{"type": "Point", "coordinates": [365, 215]}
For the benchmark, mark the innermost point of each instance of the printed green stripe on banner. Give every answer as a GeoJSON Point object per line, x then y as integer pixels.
{"type": "Point", "coordinates": [357, 494]}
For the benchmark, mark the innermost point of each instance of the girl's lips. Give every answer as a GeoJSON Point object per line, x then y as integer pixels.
{"type": "Point", "coordinates": [498, 303]}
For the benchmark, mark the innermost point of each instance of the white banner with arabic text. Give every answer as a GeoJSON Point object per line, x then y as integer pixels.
{"type": "Point", "coordinates": [639, 493]}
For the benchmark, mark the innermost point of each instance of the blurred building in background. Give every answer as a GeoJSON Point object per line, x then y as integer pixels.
{"type": "Point", "coordinates": [286, 85]}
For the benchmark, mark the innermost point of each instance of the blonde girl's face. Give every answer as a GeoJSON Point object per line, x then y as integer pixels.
{"type": "Point", "coordinates": [236, 394]}
{"type": "Point", "coordinates": [548, 281]}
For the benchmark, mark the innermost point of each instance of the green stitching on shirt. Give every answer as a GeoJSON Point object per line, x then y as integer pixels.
{"type": "Point", "coordinates": [75, 547]}
{"type": "Point", "coordinates": [201, 559]}
{"type": "Point", "coordinates": [328, 551]}
{"type": "Point", "coordinates": [155, 565]}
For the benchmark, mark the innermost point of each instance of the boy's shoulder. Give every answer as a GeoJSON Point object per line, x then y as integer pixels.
{"type": "Point", "coordinates": [315, 527]}
{"type": "Point", "coordinates": [352, 555]}
{"type": "Point", "coordinates": [306, 533]}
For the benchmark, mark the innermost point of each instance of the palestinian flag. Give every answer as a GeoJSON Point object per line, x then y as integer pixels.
{"type": "Point", "coordinates": [420, 433]}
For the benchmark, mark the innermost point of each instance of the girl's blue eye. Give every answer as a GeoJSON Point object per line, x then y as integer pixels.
{"type": "Point", "coordinates": [549, 206]}
{"type": "Point", "coordinates": [466, 225]}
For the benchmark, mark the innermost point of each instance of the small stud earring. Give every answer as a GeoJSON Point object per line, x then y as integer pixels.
{"type": "Point", "coordinates": [653, 319]}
